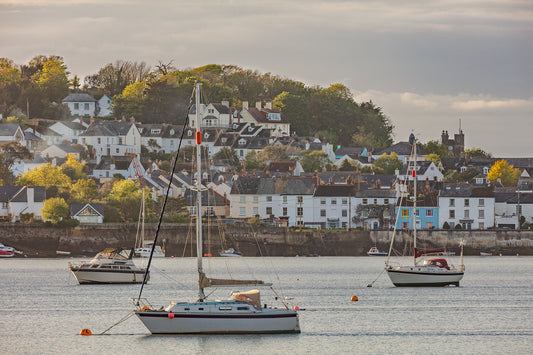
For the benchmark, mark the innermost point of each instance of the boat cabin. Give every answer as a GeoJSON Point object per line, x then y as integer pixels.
{"type": "Point", "coordinates": [437, 262]}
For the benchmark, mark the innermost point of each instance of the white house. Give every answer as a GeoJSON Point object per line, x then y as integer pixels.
{"type": "Point", "coordinates": [213, 115]}
{"type": "Point", "coordinates": [112, 138]}
{"type": "Point", "coordinates": [267, 117]}
{"type": "Point", "coordinates": [11, 132]}
{"type": "Point", "coordinates": [472, 208]}
{"type": "Point", "coordinates": [88, 212]}
{"type": "Point", "coordinates": [425, 170]}
{"type": "Point", "coordinates": [105, 106]}
{"type": "Point", "coordinates": [80, 104]}
{"type": "Point", "coordinates": [69, 131]}
{"type": "Point", "coordinates": [60, 151]}
{"type": "Point", "coordinates": [15, 200]}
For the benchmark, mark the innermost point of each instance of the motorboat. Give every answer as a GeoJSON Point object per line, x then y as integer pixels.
{"type": "Point", "coordinates": [483, 253]}
{"type": "Point", "coordinates": [431, 272]}
{"type": "Point", "coordinates": [110, 266]}
{"type": "Point", "coordinates": [6, 252]}
{"type": "Point", "coordinates": [145, 251]}
{"type": "Point", "coordinates": [376, 252]}
{"type": "Point", "coordinates": [240, 313]}
{"type": "Point", "coordinates": [230, 252]}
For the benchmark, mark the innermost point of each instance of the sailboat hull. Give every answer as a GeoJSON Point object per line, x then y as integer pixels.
{"type": "Point", "coordinates": [401, 277]}
{"type": "Point", "coordinates": [159, 322]}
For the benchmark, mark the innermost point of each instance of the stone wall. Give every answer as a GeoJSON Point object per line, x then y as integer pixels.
{"type": "Point", "coordinates": [36, 240]}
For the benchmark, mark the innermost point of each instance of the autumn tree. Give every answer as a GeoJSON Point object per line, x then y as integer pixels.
{"type": "Point", "coordinates": [504, 172]}
{"type": "Point", "coordinates": [73, 168]}
{"type": "Point", "coordinates": [387, 164]}
{"type": "Point", "coordinates": [55, 210]}
{"type": "Point", "coordinates": [313, 160]}
{"type": "Point", "coordinates": [84, 190]}
{"type": "Point", "coordinates": [44, 175]}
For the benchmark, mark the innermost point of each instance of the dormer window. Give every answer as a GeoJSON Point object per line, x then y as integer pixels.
{"type": "Point", "coordinates": [172, 132]}
{"type": "Point", "coordinates": [485, 170]}
{"type": "Point", "coordinates": [210, 110]}
{"type": "Point", "coordinates": [274, 116]}
{"type": "Point", "coordinates": [155, 131]}
{"type": "Point", "coordinates": [250, 129]}
{"type": "Point", "coordinates": [242, 141]}
{"type": "Point", "coordinates": [223, 139]}
{"type": "Point", "coordinates": [189, 133]}
{"type": "Point", "coordinates": [463, 169]}
{"type": "Point", "coordinates": [206, 135]}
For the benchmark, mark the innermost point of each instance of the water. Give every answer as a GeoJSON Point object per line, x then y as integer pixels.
{"type": "Point", "coordinates": [43, 309]}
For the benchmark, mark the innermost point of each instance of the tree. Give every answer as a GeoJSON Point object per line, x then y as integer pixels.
{"type": "Point", "coordinates": [271, 153]}
{"type": "Point", "coordinates": [11, 152]}
{"type": "Point", "coordinates": [126, 197]}
{"type": "Point", "coordinates": [348, 165]}
{"type": "Point", "coordinates": [55, 209]}
{"type": "Point", "coordinates": [387, 164]}
{"type": "Point", "coordinates": [73, 168]}
{"type": "Point", "coordinates": [477, 153]}
{"type": "Point", "coordinates": [439, 149]}
{"type": "Point", "coordinates": [84, 190]}
{"type": "Point", "coordinates": [53, 79]}
{"type": "Point", "coordinates": [250, 161]}
{"type": "Point", "coordinates": [313, 160]}
{"type": "Point", "coordinates": [114, 77]}
{"type": "Point", "coordinates": [229, 154]}
{"type": "Point", "coordinates": [503, 171]}
{"type": "Point", "coordinates": [44, 175]}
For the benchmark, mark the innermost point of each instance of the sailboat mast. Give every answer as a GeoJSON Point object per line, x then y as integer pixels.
{"type": "Point", "coordinates": [414, 199]}
{"type": "Point", "coordinates": [199, 194]}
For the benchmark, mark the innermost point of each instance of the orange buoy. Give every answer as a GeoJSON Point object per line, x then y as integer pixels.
{"type": "Point", "coordinates": [296, 308]}
{"type": "Point", "coordinates": [354, 298]}
{"type": "Point", "coordinates": [86, 332]}
{"type": "Point", "coordinates": [145, 308]}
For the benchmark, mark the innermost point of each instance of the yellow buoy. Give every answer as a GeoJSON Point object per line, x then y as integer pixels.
{"type": "Point", "coordinates": [86, 332]}
{"type": "Point", "coordinates": [354, 298]}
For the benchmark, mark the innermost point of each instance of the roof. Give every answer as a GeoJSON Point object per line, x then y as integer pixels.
{"type": "Point", "coordinates": [108, 128]}
{"type": "Point", "coordinates": [76, 208]}
{"type": "Point", "coordinates": [261, 116]}
{"type": "Point", "coordinates": [335, 190]}
{"type": "Point", "coordinates": [376, 193]}
{"type": "Point", "coordinates": [79, 97]}
{"type": "Point", "coordinates": [465, 190]}
{"type": "Point", "coordinates": [8, 129]}
{"type": "Point", "coordinates": [20, 194]}
{"type": "Point", "coordinates": [401, 148]}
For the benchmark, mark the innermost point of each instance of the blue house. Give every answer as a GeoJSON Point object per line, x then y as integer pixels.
{"type": "Point", "coordinates": [427, 217]}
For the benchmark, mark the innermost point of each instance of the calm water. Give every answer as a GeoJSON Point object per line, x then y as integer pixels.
{"type": "Point", "coordinates": [43, 309]}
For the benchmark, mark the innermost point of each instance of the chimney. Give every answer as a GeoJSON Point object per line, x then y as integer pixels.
{"type": "Point", "coordinates": [245, 104]}
{"type": "Point", "coordinates": [258, 104]}
{"type": "Point", "coordinates": [268, 104]}
{"type": "Point", "coordinates": [225, 102]}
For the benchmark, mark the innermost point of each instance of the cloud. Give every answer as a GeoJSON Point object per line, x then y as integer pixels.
{"type": "Point", "coordinates": [488, 105]}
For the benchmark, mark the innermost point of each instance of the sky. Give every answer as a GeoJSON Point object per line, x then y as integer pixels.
{"type": "Point", "coordinates": [430, 65]}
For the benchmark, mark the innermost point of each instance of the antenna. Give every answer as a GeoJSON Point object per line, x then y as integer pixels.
{"type": "Point", "coordinates": [459, 125]}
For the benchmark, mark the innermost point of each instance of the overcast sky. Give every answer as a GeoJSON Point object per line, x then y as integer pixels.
{"type": "Point", "coordinates": [431, 65]}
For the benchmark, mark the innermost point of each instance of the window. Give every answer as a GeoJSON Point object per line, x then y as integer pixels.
{"type": "Point", "coordinates": [344, 201]}
{"type": "Point", "coordinates": [405, 212]}
{"type": "Point", "coordinates": [256, 199]}
{"type": "Point", "coordinates": [345, 213]}
{"type": "Point", "coordinates": [242, 199]}
{"type": "Point", "coordinates": [365, 201]}
{"type": "Point", "coordinates": [322, 201]}
{"type": "Point", "coordinates": [481, 214]}
{"type": "Point", "coordinates": [300, 199]}
{"type": "Point", "coordinates": [452, 202]}
{"type": "Point", "coordinates": [269, 211]}
{"type": "Point", "coordinates": [405, 225]}
{"type": "Point", "coordinates": [467, 214]}
{"type": "Point", "coordinates": [86, 107]}
{"type": "Point", "coordinates": [467, 202]}
{"type": "Point", "coordinates": [284, 199]}
{"type": "Point", "coordinates": [242, 211]}
{"type": "Point", "coordinates": [322, 213]}
{"type": "Point", "coordinates": [256, 211]}
{"type": "Point", "coordinates": [481, 225]}
{"type": "Point", "coordinates": [224, 308]}
{"type": "Point", "coordinates": [284, 211]}
{"type": "Point", "coordinates": [452, 213]}
{"type": "Point", "coordinates": [116, 150]}
{"type": "Point", "coordinates": [429, 212]}
{"type": "Point", "coordinates": [76, 106]}
{"type": "Point", "coordinates": [418, 212]}
{"type": "Point", "coordinates": [481, 202]}
{"type": "Point", "coordinates": [375, 201]}
{"type": "Point", "coordinates": [99, 140]}
{"type": "Point", "coordinates": [386, 201]}
{"type": "Point", "coordinates": [269, 198]}
{"type": "Point", "coordinates": [333, 201]}
{"type": "Point", "coordinates": [300, 211]}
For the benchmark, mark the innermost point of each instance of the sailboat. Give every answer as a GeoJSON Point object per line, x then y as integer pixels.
{"type": "Point", "coordinates": [241, 313]}
{"type": "Point", "coordinates": [144, 247]}
{"type": "Point", "coordinates": [429, 272]}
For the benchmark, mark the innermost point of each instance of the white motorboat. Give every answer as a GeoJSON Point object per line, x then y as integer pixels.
{"type": "Point", "coordinates": [145, 251]}
{"type": "Point", "coordinates": [484, 253]}
{"type": "Point", "coordinates": [110, 266]}
{"type": "Point", "coordinates": [241, 313]}
{"type": "Point", "coordinates": [6, 252]}
{"type": "Point", "coordinates": [431, 272]}
{"type": "Point", "coordinates": [374, 251]}
{"type": "Point", "coordinates": [230, 252]}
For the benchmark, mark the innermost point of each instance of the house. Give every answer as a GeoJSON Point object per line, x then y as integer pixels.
{"type": "Point", "coordinates": [80, 104]}
{"type": "Point", "coordinates": [290, 167]}
{"type": "Point", "coordinates": [112, 138]}
{"type": "Point", "coordinates": [374, 208]}
{"type": "Point", "coordinates": [425, 171]}
{"type": "Point", "coordinates": [88, 212]}
{"type": "Point", "coordinates": [16, 200]}
{"type": "Point", "coordinates": [402, 149]}
{"type": "Point", "coordinates": [69, 131]}
{"type": "Point", "coordinates": [267, 117]}
{"type": "Point", "coordinates": [11, 132]}
{"type": "Point", "coordinates": [333, 206]}
{"type": "Point", "coordinates": [213, 115]}
{"type": "Point", "coordinates": [161, 137]}
{"type": "Point", "coordinates": [104, 106]}
{"type": "Point", "coordinates": [213, 205]}
{"type": "Point", "coordinates": [130, 167]}
{"type": "Point", "coordinates": [471, 207]}
{"type": "Point", "coordinates": [60, 151]}
{"type": "Point", "coordinates": [21, 166]}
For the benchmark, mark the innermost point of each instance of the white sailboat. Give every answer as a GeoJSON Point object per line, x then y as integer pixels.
{"type": "Point", "coordinates": [430, 272]}
{"type": "Point", "coordinates": [241, 313]}
{"type": "Point", "coordinates": [144, 247]}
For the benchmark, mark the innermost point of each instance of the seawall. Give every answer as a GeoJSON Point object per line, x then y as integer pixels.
{"type": "Point", "coordinates": [38, 241]}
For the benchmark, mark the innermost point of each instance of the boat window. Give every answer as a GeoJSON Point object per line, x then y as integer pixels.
{"type": "Point", "coordinates": [201, 308]}
{"type": "Point", "coordinates": [224, 308]}
{"type": "Point", "coordinates": [187, 309]}
{"type": "Point", "coordinates": [242, 308]}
